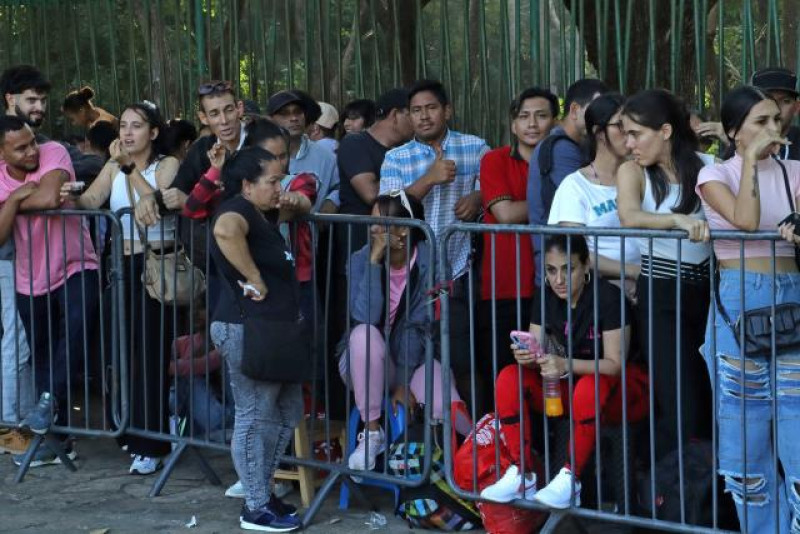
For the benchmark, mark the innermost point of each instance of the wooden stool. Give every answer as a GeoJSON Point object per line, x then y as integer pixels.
{"type": "Point", "coordinates": [306, 476]}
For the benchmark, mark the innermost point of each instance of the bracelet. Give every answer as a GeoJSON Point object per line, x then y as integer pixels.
{"type": "Point", "coordinates": [127, 169]}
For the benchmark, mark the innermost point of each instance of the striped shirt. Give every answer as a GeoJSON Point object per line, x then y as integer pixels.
{"type": "Point", "coordinates": [405, 164]}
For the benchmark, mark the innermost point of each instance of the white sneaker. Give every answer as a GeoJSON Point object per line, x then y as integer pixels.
{"type": "Point", "coordinates": [359, 460]}
{"type": "Point", "coordinates": [558, 493]}
{"type": "Point", "coordinates": [144, 465]}
{"type": "Point", "coordinates": [236, 491]}
{"type": "Point", "coordinates": [509, 487]}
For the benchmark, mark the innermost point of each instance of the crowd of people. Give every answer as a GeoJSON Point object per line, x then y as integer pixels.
{"type": "Point", "coordinates": [600, 308]}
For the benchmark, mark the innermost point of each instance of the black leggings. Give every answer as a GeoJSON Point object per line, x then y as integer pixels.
{"type": "Point", "coordinates": [695, 406]}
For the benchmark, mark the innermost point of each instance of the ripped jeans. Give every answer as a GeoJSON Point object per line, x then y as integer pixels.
{"type": "Point", "coordinates": [745, 442]}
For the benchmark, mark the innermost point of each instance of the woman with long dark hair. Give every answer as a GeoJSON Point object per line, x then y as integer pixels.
{"type": "Point", "coordinates": [753, 191]}
{"type": "Point", "coordinates": [588, 197]}
{"type": "Point", "coordinates": [657, 191]}
{"type": "Point", "coordinates": [138, 166]}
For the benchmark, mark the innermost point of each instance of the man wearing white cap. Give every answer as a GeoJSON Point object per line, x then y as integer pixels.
{"type": "Point", "coordinates": [323, 131]}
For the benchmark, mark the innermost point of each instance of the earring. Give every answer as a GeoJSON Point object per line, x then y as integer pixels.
{"type": "Point", "coordinates": [587, 277]}
{"type": "Point", "coordinates": [547, 282]}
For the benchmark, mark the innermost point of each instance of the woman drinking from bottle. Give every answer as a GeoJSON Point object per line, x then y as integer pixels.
{"type": "Point", "coordinates": [568, 286]}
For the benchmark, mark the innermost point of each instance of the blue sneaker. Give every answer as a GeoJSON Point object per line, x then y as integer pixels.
{"type": "Point", "coordinates": [41, 417]}
{"type": "Point", "coordinates": [265, 519]}
{"type": "Point", "coordinates": [280, 507]}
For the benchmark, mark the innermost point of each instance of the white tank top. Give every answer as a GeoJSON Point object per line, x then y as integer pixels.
{"type": "Point", "coordinates": [119, 199]}
{"type": "Point", "coordinates": [694, 256]}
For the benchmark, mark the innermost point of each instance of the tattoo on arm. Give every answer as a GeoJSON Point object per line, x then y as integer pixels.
{"type": "Point", "coordinates": [755, 181]}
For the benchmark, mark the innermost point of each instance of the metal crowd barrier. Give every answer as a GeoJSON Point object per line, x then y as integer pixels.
{"type": "Point", "coordinates": [627, 506]}
{"type": "Point", "coordinates": [195, 413]}
{"type": "Point", "coordinates": [182, 404]}
{"type": "Point", "coordinates": [55, 339]}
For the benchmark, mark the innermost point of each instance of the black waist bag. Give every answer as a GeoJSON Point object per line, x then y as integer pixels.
{"type": "Point", "coordinates": [276, 351]}
{"type": "Point", "coordinates": [758, 323]}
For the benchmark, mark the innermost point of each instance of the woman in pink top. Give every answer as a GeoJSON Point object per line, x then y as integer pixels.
{"type": "Point", "coordinates": [390, 324]}
{"type": "Point", "coordinates": [752, 191]}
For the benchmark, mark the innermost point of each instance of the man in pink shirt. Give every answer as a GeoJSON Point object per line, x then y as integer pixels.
{"type": "Point", "coordinates": [56, 265]}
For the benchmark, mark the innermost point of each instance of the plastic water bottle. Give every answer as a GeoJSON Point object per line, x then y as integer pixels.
{"type": "Point", "coordinates": [552, 397]}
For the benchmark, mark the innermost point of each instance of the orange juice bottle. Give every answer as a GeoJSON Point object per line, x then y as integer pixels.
{"type": "Point", "coordinates": [552, 397]}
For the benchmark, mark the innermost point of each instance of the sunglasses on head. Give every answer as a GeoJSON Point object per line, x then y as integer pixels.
{"type": "Point", "coordinates": [403, 200]}
{"type": "Point", "coordinates": [214, 87]}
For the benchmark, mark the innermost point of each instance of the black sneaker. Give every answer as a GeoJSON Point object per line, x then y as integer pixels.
{"type": "Point", "coordinates": [265, 519]}
{"type": "Point", "coordinates": [280, 507]}
{"type": "Point", "coordinates": [41, 417]}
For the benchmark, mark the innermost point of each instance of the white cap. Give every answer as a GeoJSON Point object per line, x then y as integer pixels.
{"type": "Point", "coordinates": [329, 116]}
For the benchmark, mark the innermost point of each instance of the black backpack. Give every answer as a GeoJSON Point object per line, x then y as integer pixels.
{"type": "Point", "coordinates": [698, 470]}
{"type": "Point", "coordinates": [546, 167]}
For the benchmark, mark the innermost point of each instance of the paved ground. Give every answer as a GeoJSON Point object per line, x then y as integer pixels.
{"type": "Point", "coordinates": [102, 498]}
{"type": "Point", "coordinates": [102, 495]}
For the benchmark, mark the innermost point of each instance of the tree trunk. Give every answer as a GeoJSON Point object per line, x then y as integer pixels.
{"type": "Point", "coordinates": [636, 71]}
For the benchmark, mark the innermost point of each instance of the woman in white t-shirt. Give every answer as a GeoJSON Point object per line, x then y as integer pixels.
{"type": "Point", "coordinates": [657, 191]}
{"type": "Point", "coordinates": [588, 196]}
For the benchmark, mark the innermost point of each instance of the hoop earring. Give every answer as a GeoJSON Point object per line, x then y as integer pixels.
{"type": "Point", "coordinates": [587, 277]}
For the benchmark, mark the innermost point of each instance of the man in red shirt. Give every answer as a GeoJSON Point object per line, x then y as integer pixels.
{"type": "Point", "coordinates": [508, 258]}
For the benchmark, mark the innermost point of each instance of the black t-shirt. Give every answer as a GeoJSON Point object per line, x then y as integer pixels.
{"type": "Point", "coordinates": [195, 165]}
{"type": "Point", "coordinates": [274, 262]}
{"type": "Point", "coordinates": [357, 154]}
{"type": "Point", "coordinates": [583, 332]}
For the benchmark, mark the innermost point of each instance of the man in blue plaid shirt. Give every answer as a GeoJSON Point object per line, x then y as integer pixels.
{"type": "Point", "coordinates": [441, 168]}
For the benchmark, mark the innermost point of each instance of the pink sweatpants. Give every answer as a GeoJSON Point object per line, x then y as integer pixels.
{"type": "Point", "coordinates": [361, 382]}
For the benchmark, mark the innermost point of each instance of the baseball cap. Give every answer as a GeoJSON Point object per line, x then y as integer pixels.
{"type": "Point", "coordinates": [329, 116]}
{"type": "Point", "coordinates": [396, 98]}
{"type": "Point", "coordinates": [282, 99]}
{"type": "Point", "coordinates": [775, 79]}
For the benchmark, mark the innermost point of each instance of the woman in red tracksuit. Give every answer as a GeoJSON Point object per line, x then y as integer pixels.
{"type": "Point", "coordinates": [612, 333]}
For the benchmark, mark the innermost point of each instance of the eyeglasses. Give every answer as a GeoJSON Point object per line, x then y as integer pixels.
{"type": "Point", "coordinates": [214, 87]}
{"type": "Point", "coordinates": [394, 193]}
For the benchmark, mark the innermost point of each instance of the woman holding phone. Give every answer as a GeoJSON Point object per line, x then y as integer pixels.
{"type": "Point", "coordinates": [568, 286]}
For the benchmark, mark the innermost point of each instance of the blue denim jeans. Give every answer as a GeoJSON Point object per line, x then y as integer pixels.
{"type": "Point", "coordinates": [745, 446]}
{"type": "Point", "coordinates": [266, 415]}
{"type": "Point", "coordinates": [17, 379]}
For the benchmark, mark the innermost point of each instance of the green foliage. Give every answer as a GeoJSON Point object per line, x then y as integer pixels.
{"type": "Point", "coordinates": [485, 51]}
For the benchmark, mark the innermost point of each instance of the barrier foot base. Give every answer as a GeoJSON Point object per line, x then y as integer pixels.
{"type": "Point", "coordinates": [555, 520]}
{"type": "Point", "coordinates": [172, 462]}
{"type": "Point", "coordinates": [319, 498]}
{"type": "Point", "coordinates": [206, 468]}
{"type": "Point", "coordinates": [55, 446]}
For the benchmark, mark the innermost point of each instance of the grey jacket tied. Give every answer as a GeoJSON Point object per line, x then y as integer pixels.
{"type": "Point", "coordinates": [368, 305]}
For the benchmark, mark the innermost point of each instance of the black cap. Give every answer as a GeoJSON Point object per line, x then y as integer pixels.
{"type": "Point", "coordinates": [775, 79]}
{"type": "Point", "coordinates": [282, 99]}
{"type": "Point", "coordinates": [396, 98]}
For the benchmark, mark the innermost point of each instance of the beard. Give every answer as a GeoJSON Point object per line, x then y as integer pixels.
{"type": "Point", "coordinates": [33, 123]}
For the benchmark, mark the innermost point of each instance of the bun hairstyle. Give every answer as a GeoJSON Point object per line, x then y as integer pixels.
{"type": "Point", "coordinates": [78, 99]}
